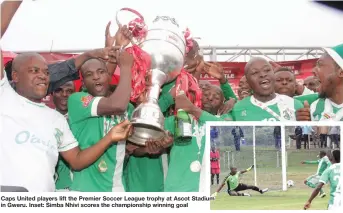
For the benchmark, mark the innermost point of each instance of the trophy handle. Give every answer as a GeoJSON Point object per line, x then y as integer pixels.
{"type": "Point", "coordinates": [132, 11]}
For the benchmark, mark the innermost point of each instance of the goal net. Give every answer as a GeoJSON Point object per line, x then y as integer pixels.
{"type": "Point", "coordinates": [259, 149]}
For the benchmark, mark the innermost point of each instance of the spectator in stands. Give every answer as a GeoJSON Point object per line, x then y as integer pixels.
{"type": "Point", "coordinates": [238, 134]}
{"type": "Point", "coordinates": [307, 132]}
{"type": "Point", "coordinates": [277, 137]}
{"type": "Point", "coordinates": [323, 134]}
{"type": "Point", "coordinates": [312, 83]}
{"type": "Point", "coordinates": [298, 136]}
{"type": "Point", "coordinates": [334, 135]}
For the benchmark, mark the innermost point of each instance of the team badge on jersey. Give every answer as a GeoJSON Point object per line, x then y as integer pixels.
{"type": "Point", "coordinates": [244, 113]}
{"type": "Point", "coordinates": [86, 100]}
{"type": "Point", "coordinates": [102, 167]}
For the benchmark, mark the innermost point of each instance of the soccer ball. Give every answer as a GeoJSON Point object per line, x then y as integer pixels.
{"type": "Point", "coordinates": [290, 183]}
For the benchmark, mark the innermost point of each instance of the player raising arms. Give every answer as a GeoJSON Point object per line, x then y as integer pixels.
{"type": "Point", "coordinates": [233, 185]}
{"type": "Point", "coordinates": [323, 164]}
{"type": "Point", "coordinates": [332, 175]}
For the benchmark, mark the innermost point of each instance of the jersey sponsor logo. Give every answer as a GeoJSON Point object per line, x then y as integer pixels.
{"type": "Point", "coordinates": [25, 137]}
{"type": "Point", "coordinates": [86, 100]}
{"type": "Point", "coordinates": [58, 135]}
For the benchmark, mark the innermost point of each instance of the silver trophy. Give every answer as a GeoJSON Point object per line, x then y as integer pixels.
{"type": "Point", "coordinates": [165, 43]}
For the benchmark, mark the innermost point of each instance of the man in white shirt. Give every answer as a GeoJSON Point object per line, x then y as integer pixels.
{"type": "Point", "coordinates": [32, 135]}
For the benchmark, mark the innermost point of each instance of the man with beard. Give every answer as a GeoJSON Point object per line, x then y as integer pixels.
{"type": "Point", "coordinates": [330, 73]}
{"type": "Point", "coordinates": [264, 104]}
{"type": "Point", "coordinates": [244, 89]}
{"type": "Point", "coordinates": [63, 175]}
{"type": "Point", "coordinates": [312, 83]}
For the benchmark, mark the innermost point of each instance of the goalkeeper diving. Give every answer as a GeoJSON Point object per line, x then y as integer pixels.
{"type": "Point", "coordinates": [323, 164]}
{"type": "Point", "coordinates": [234, 186]}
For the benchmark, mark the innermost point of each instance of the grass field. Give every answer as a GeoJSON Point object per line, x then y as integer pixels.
{"type": "Point", "coordinates": [268, 175]}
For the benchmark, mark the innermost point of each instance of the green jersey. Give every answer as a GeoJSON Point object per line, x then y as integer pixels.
{"type": "Point", "coordinates": [146, 174]}
{"type": "Point", "coordinates": [166, 99]}
{"type": "Point", "coordinates": [105, 174]}
{"type": "Point", "coordinates": [325, 109]}
{"type": "Point", "coordinates": [281, 108]}
{"type": "Point", "coordinates": [310, 98]}
{"type": "Point", "coordinates": [323, 164]}
{"type": "Point", "coordinates": [64, 175]}
{"type": "Point", "coordinates": [232, 181]}
{"type": "Point", "coordinates": [180, 177]}
{"type": "Point", "coordinates": [333, 175]}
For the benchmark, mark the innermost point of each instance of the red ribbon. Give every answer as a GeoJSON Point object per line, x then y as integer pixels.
{"type": "Point", "coordinates": [139, 70]}
{"type": "Point", "coordinates": [188, 39]}
{"type": "Point", "coordinates": [187, 83]}
{"type": "Point", "coordinates": [138, 28]}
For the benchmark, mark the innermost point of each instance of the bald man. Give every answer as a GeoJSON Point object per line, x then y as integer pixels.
{"type": "Point", "coordinates": [264, 104]}
{"type": "Point", "coordinates": [37, 133]}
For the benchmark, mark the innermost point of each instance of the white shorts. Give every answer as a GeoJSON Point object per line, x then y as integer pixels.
{"type": "Point", "coordinates": [334, 207]}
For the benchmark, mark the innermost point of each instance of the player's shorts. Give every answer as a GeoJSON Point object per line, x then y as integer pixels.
{"type": "Point", "coordinates": [215, 171]}
{"type": "Point", "coordinates": [240, 187]}
{"type": "Point", "coordinates": [313, 179]}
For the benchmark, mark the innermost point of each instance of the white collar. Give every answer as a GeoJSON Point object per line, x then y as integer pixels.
{"type": "Point", "coordinates": [255, 102]}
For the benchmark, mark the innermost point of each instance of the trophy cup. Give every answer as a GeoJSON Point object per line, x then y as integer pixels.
{"type": "Point", "coordinates": [165, 43]}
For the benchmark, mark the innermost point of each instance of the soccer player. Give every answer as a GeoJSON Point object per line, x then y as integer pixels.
{"type": "Point", "coordinates": [187, 165]}
{"type": "Point", "coordinates": [286, 84]}
{"type": "Point", "coordinates": [63, 175]}
{"type": "Point", "coordinates": [323, 164]}
{"type": "Point", "coordinates": [234, 186]}
{"type": "Point", "coordinates": [264, 104]}
{"type": "Point", "coordinates": [331, 175]}
{"type": "Point", "coordinates": [330, 73]}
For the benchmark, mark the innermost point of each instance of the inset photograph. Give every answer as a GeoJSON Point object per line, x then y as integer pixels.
{"type": "Point", "coordinates": [265, 168]}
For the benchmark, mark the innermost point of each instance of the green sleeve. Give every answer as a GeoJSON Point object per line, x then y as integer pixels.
{"type": "Point", "coordinates": [311, 162]}
{"type": "Point", "coordinates": [165, 101]}
{"type": "Point", "coordinates": [82, 105]}
{"type": "Point", "coordinates": [169, 124]}
{"type": "Point", "coordinates": [130, 109]}
{"type": "Point", "coordinates": [227, 90]}
{"type": "Point", "coordinates": [310, 98]}
{"type": "Point", "coordinates": [205, 116]}
{"type": "Point", "coordinates": [324, 178]}
{"type": "Point", "coordinates": [298, 104]}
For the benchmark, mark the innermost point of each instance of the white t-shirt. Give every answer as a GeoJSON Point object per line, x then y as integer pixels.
{"type": "Point", "coordinates": [31, 135]}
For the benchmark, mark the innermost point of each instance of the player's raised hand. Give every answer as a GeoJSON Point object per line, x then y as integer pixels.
{"type": "Point", "coordinates": [307, 205]}
{"type": "Point", "coordinates": [304, 114]}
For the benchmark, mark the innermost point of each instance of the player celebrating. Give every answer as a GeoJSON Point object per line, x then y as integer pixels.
{"type": "Point", "coordinates": [332, 175]}
{"type": "Point", "coordinates": [232, 181]}
{"type": "Point", "coordinates": [323, 164]}
{"type": "Point", "coordinates": [264, 104]}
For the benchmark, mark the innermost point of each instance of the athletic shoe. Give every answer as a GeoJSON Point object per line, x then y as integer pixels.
{"type": "Point", "coordinates": [264, 190]}
{"type": "Point", "coordinates": [322, 195]}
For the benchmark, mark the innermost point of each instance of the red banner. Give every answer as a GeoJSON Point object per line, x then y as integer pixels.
{"type": "Point", "coordinates": [232, 70]}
